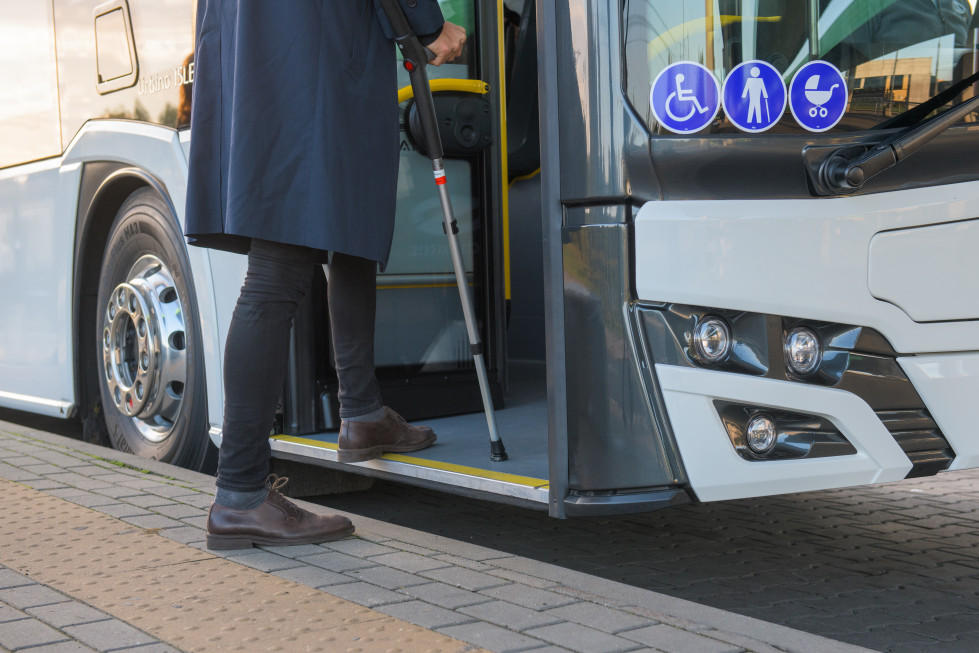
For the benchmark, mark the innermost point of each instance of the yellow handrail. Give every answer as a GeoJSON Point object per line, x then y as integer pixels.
{"type": "Point", "coordinates": [466, 85]}
{"type": "Point", "coordinates": [504, 156]}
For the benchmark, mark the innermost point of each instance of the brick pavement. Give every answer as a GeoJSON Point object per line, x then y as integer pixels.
{"type": "Point", "coordinates": [36, 618]}
{"type": "Point", "coordinates": [890, 567]}
{"type": "Point", "coordinates": [470, 592]}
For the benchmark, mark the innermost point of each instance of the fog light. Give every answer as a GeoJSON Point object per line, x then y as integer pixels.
{"type": "Point", "coordinates": [802, 351]}
{"type": "Point", "coordinates": [712, 339]}
{"type": "Point", "coordinates": [761, 434]}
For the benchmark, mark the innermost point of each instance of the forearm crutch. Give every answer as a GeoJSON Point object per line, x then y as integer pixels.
{"type": "Point", "coordinates": [416, 59]}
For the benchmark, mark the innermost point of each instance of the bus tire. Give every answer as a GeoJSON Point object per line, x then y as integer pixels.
{"type": "Point", "coordinates": [148, 352]}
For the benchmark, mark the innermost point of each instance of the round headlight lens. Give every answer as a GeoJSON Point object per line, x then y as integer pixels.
{"type": "Point", "coordinates": [802, 351]}
{"type": "Point", "coordinates": [761, 434]}
{"type": "Point", "coordinates": [712, 339]}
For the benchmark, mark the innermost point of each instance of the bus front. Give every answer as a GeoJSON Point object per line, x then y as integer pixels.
{"type": "Point", "coordinates": [764, 219]}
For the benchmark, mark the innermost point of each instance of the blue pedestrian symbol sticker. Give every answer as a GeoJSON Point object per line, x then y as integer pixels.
{"type": "Point", "coordinates": [685, 97]}
{"type": "Point", "coordinates": [818, 96]}
{"type": "Point", "coordinates": [754, 96]}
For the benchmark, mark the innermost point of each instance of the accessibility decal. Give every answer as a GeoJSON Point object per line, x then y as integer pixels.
{"type": "Point", "coordinates": [685, 97]}
{"type": "Point", "coordinates": [754, 96]}
{"type": "Point", "coordinates": [818, 96]}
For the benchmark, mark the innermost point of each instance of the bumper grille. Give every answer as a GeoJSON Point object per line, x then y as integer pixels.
{"type": "Point", "coordinates": [920, 438]}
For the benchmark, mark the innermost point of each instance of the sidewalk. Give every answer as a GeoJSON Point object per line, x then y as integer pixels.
{"type": "Point", "coordinates": [102, 551]}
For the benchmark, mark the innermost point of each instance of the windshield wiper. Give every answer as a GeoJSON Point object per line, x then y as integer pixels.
{"type": "Point", "coordinates": [923, 110]}
{"type": "Point", "coordinates": [846, 169]}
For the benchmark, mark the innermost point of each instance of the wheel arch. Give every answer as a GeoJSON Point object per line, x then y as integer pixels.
{"type": "Point", "coordinates": [104, 188]}
{"type": "Point", "coordinates": [115, 158]}
{"type": "Point", "coordinates": [106, 161]}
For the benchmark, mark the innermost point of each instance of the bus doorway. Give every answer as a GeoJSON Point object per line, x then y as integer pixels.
{"type": "Point", "coordinates": [422, 353]}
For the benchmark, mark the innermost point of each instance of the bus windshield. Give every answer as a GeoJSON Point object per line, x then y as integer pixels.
{"type": "Point", "coordinates": [893, 54]}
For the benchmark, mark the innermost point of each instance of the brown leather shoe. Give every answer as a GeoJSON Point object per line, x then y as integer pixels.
{"type": "Point", "coordinates": [361, 441]}
{"type": "Point", "coordinates": [277, 522]}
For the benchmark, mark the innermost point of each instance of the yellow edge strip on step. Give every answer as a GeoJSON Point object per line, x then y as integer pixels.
{"type": "Point", "coordinates": [465, 85]}
{"type": "Point", "coordinates": [431, 464]}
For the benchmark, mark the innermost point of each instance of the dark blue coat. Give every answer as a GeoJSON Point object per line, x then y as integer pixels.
{"type": "Point", "coordinates": [294, 125]}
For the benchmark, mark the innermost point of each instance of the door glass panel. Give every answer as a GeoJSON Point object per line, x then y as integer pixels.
{"type": "Point", "coordinates": [420, 326]}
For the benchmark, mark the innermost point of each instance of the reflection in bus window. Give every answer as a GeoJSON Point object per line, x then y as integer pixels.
{"type": "Point", "coordinates": [28, 83]}
{"type": "Point", "coordinates": [901, 24]}
{"type": "Point", "coordinates": [894, 54]}
{"type": "Point", "coordinates": [161, 36]}
{"type": "Point", "coordinates": [899, 56]}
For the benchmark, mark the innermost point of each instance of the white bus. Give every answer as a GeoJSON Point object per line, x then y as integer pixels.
{"type": "Point", "coordinates": [728, 278]}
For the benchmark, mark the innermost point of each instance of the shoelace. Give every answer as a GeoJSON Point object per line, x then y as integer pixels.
{"type": "Point", "coordinates": [274, 483]}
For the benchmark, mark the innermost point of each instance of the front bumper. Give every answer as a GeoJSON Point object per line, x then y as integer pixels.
{"type": "Point", "coordinates": [715, 470]}
{"type": "Point", "coordinates": [821, 263]}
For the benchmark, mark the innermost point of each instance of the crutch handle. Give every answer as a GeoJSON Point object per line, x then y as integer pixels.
{"type": "Point", "coordinates": [416, 58]}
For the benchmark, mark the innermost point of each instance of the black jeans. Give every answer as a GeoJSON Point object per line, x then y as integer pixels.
{"type": "Point", "coordinates": [257, 349]}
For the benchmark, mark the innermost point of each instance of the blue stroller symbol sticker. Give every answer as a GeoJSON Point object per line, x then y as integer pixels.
{"type": "Point", "coordinates": [754, 96]}
{"type": "Point", "coordinates": [685, 97]}
{"type": "Point", "coordinates": [818, 96]}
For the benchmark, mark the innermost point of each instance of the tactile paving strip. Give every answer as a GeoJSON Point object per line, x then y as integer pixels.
{"type": "Point", "coordinates": [188, 598]}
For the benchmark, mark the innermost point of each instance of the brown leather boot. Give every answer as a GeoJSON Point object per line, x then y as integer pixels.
{"type": "Point", "coordinates": [361, 441]}
{"type": "Point", "coordinates": [277, 522]}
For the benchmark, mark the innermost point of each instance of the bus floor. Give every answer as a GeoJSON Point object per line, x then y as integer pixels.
{"type": "Point", "coordinates": [463, 446]}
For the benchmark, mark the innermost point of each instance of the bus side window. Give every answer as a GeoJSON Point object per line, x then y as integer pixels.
{"type": "Point", "coordinates": [29, 128]}
{"type": "Point", "coordinates": [115, 50]}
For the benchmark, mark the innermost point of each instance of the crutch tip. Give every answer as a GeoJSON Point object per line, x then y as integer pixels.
{"type": "Point", "coordinates": [498, 451]}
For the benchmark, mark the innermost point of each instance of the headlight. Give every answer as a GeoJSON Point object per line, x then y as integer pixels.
{"type": "Point", "coordinates": [802, 351]}
{"type": "Point", "coordinates": [761, 434]}
{"type": "Point", "coordinates": [712, 340]}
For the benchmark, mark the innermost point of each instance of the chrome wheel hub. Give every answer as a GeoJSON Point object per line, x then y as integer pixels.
{"type": "Point", "coordinates": [144, 348]}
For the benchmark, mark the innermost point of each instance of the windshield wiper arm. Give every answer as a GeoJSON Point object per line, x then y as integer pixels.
{"type": "Point", "coordinates": [916, 114]}
{"type": "Point", "coordinates": [847, 169]}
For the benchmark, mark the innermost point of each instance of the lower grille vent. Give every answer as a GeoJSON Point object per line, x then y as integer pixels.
{"type": "Point", "coordinates": [920, 438]}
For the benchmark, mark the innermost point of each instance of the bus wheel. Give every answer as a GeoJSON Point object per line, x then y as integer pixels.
{"type": "Point", "coordinates": [149, 353]}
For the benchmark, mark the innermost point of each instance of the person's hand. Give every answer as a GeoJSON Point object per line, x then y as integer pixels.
{"type": "Point", "coordinates": [449, 44]}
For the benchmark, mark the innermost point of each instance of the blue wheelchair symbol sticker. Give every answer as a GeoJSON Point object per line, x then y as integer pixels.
{"type": "Point", "coordinates": [685, 97]}
{"type": "Point", "coordinates": [754, 96]}
{"type": "Point", "coordinates": [818, 96]}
